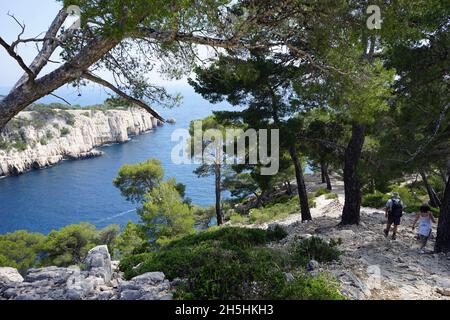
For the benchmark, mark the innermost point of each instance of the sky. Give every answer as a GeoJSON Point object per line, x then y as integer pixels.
{"type": "Point", "coordinates": [37, 16]}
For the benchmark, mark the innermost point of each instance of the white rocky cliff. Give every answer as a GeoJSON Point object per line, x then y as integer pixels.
{"type": "Point", "coordinates": [70, 134]}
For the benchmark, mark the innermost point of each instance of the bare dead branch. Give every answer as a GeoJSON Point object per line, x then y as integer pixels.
{"type": "Point", "coordinates": [15, 56]}
{"type": "Point", "coordinates": [104, 83]}
{"type": "Point", "coordinates": [49, 45]}
{"type": "Point", "coordinates": [60, 98]}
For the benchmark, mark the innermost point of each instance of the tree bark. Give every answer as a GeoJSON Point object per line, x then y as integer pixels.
{"type": "Point", "coordinates": [443, 175]}
{"type": "Point", "coordinates": [443, 231]}
{"type": "Point", "coordinates": [301, 187]}
{"type": "Point", "coordinates": [434, 199]}
{"type": "Point", "coordinates": [322, 171]}
{"type": "Point", "coordinates": [289, 188]}
{"type": "Point", "coordinates": [327, 176]}
{"type": "Point", "coordinates": [218, 176]}
{"type": "Point", "coordinates": [352, 206]}
{"type": "Point", "coordinates": [25, 94]}
{"type": "Point", "coordinates": [31, 88]}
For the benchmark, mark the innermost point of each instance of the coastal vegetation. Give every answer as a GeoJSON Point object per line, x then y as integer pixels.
{"type": "Point", "coordinates": [367, 106]}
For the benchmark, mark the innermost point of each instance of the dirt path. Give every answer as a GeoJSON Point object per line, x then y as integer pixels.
{"type": "Point", "coordinates": [371, 266]}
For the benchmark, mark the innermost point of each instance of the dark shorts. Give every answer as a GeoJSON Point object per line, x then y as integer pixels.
{"type": "Point", "coordinates": [394, 220]}
{"type": "Point", "coordinates": [423, 238]}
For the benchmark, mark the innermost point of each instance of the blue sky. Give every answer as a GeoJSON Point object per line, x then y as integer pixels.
{"type": "Point", "coordinates": [37, 16]}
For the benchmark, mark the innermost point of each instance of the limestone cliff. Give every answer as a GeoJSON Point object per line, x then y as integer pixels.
{"type": "Point", "coordinates": [35, 140]}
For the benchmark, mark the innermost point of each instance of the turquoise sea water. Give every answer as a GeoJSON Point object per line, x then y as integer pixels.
{"type": "Point", "coordinates": [82, 190]}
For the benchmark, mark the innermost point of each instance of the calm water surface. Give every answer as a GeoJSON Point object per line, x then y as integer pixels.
{"type": "Point", "coordinates": [82, 190]}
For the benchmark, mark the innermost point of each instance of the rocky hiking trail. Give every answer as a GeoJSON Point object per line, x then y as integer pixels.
{"type": "Point", "coordinates": [372, 266]}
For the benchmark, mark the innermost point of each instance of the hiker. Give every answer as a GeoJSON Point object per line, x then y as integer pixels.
{"type": "Point", "coordinates": [425, 218]}
{"type": "Point", "coordinates": [394, 213]}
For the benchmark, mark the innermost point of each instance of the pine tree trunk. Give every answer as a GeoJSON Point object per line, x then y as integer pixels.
{"type": "Point", "coordinates": [352, 206]}
{"type": "Point", "coordinates": [289, 187]}
{"type": "Point", "coordinates": [443, 230]}
{"type": "Point", "coordinates": [434, 199]}
{"type": "Point", "coordinates": [218, 176]}
{"type": "Point", "coordinates": [443, 175]}
{"type": "Point", "coordinates": [322, 171]}
{"type": "Point", "coordinates": [301, 187]}
{"type": "Point", "coordinates": [327, 177]}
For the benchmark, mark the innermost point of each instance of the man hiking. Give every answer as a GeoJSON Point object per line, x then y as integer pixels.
{"type": "Point", "coordinates": [394, 213]}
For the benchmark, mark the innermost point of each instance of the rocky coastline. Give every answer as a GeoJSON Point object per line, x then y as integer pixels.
{"type": "Point", "coordinates": [67, 135]}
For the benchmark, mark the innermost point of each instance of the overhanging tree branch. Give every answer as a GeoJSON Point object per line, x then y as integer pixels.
{"type": "Point", "coordinates": [91, 77]}
{"type": "Point", "coordinates": [49, 45]}
{"type": "Point", "coordinates": [15, 56]}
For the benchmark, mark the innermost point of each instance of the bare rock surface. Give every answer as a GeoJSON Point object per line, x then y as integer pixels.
{"type": "Point", "coordinates": [8, 275]}
{"type": "Point", "coordinates": [99, 280]}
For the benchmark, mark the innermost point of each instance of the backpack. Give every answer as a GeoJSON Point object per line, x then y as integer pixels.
{"type": "Point", "coordinates": [396, 208]}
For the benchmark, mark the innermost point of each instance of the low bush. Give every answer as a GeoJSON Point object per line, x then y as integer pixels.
{"type": "Point", "coordinates": [43, 141]}
{"type": "Point", "coordinates": [305, 287]}
{"type": "Point", "coordinates": [272, 212]}
{"type": "Point", "coordinates": [237, 218]}
{"type": "Point", "coordinates": [321, 192]}
{"type": "Point", "coordinates": [64, 132]}
{"type": "Point", "coordinates": [229, 263]}
{"type": "Point", "coordinates": [314, 248]}
{"type": "Point", "coordinates": [4, 145]}
{"type": "Point", "coordinates": [331, 196]}
{"type": "Point", "coordinates": [375, 200]}
{"type": "Point", "coordinates": [20, 145]}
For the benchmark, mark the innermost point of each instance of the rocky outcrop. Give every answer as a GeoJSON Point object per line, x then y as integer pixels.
{"type": "Point", "coordinates": [8, 275]}
{"type": "Point", "coordinates": [99, 280]}
{"type": "Point", "coordinates": [73, 134]}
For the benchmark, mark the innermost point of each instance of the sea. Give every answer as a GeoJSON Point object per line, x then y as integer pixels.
{"type": "Point", "coordinates": [82, 190]}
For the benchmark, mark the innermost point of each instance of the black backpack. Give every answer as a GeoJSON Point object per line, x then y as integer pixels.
{"type": "Point", "coordinates": [396, 208]}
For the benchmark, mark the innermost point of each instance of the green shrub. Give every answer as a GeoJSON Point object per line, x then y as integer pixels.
{"type": "Point", "coordinates": [313, 248]}
{"type": "Point", "coordinates": [273, 211]}
{"type": "Point", "coordinates": [305, 287]}
{"type": "Point", "coordinates": [311, 202]}
{"type": "Point", "coordinates": [20, 145]}
{"type": "Point", "coordinates": [237, 218]}
{"type": "Point", "coordinates": [4, 145]}
{"type": "Point", "coordinates": [49, 135]}
{"type": "Point", "coordinates": [231, 237]}
{"type": "Point", "coordinates": [375, 200]}
{"type": "Point", "coordinates": [227, 239]}
{"type": "Point", "coordinates": [228, 263]}
{"type": "Point", "coordinates": [411, 196]}
{"type": "Point", "coordinates": [321, 192]}
{"type": "Point", "coordinates": [331, 196]}
{"type": "Point", "coordinates": [64, 131]}
{"type": "Point", "coordinates": [69, 245]}
{"type": "Point", "coordinates": [43, 141]}
{"type": "Point", "coordinates": [204, 215]}
{"type": "Point", "coordinates": [21, 250]}
{"type": "Point", "coordinates": [68, 117]}
{"type": "Point", "coordinates": [129, 242]}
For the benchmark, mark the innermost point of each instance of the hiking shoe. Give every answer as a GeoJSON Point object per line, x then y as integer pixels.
{"type": "Point", "coordinates": [386, 233]}
{"type": "Point", "coordinates": [394, 237]}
